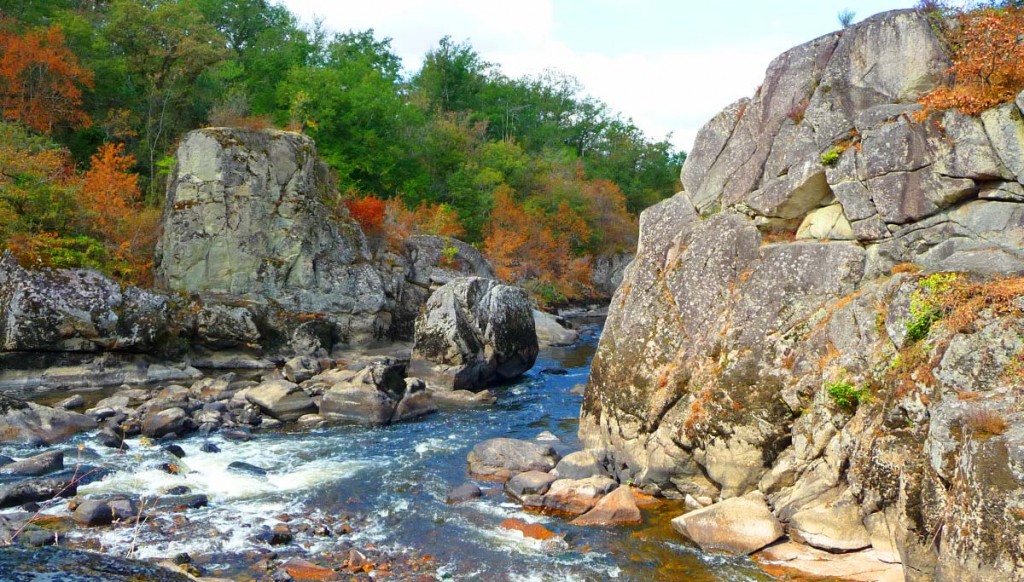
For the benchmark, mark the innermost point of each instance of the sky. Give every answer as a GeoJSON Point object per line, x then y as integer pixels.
{"type": "Point", "coordinates": [669, 65]}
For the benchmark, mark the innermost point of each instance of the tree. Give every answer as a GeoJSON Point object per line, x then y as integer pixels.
{"type": "Point", "coordinates": [41, 81]}
{"type": "Point", "coordinates": [167, 45]}
{"type": "Point", "coordinates": [453, 76]}
{"type": "Point", "coordinates": [988, 62]}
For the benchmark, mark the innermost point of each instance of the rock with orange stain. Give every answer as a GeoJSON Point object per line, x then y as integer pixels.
{"type": "Point", "coordinates": [571, 496]}
{"type": "Point", "coordinates": [529, 530]}
{"type": "Point", "coordinates": [644, 500]}
{"type": "Point", "coordinates": [300, 569]}
{"type": "Point", "coordinates": [616, 508]}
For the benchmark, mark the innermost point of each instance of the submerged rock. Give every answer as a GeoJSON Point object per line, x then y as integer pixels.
{"type": "Point", "coordinates": [464, 492]}
{"type": "Point", "coordinates": [473, 333]}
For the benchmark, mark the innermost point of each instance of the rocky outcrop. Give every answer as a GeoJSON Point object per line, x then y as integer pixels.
{"type": "Point", "coordinates": [774, 335]}
{"type": "Point", "coordinates": [474, 332]}
{"type": "Point", "coordinates": [379, 393]}
{"type": "Point", "coordinates": [252, 213]}
{"type": "Point", "coordinates": [76, 310]}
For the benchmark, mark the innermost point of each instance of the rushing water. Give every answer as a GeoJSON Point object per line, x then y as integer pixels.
{"type": "Point", "coordinates": [391, 482]}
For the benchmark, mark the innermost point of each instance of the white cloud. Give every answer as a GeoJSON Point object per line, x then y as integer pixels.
{"type": "Point", "coordinates": [675, 90]}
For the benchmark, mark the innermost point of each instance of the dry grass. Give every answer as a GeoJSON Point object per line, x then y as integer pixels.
{"type": "Point", "coordinates": [985, 422]}
{"type": "Point", "coordinates": [968, 395]}
{"type": "Point", "coordinates": [784, 236]}
{"type": "Point", "coordinates": [964, 300]}
{"type": "Point", "coordinates": [831, 354]}
{"type": "Point", "coordinates": [905, 268]}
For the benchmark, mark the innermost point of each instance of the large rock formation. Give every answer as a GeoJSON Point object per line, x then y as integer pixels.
{"type": "Point", "coordinates": [474, 332]}
{"type": "Point", "coordinates": [252, 213]}
{"type": "Point", "coordinates": [763, 305]}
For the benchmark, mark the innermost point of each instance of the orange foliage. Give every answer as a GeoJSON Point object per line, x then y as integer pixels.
{"type": "Point", "coordinates": [534, 250]}
{"type": "Point", "coordinates": [41, 80]}
{"type": "Point", "coordinates": [368, 211]}
{"type": "Point", "coordinates": [988, 63]}
{"type": "Point", "coordinates": [607, 205]}
{"type": "Point", "coordinates": [110, 193]}
{"type": "Point", "coordinates": [435, 219]}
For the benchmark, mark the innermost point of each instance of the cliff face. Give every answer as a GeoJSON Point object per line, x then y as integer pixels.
{"type": "Point", "coordinates": [247, 214]}
{"type": "Point", "coordinates": [767, 287]}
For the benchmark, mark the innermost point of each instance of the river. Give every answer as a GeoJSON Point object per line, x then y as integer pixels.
{"type": "Point", "coordinates": [390, 484]}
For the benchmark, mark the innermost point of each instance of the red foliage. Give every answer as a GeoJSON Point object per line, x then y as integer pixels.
{"type": "Point", "coordinates": [368, 211]}
{"type": "Point", "coordinates": [41, 80]}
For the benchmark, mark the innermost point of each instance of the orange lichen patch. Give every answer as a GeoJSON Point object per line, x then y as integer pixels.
{"type": "Point", "coordinates": [530, 530]}
{"type": "Point", "coordinates": [308, 571]}
{"type": "Point", "coordinates": [831, 354]}
{"type": "Point", "coordinates": [968, 395]}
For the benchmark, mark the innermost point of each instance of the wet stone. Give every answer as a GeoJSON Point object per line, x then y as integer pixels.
{"type": "Point", "coordinates": [246, 468]}
{"type": "Point", "coordinates": [464, 492]}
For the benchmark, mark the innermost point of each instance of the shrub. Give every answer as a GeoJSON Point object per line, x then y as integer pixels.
{"type": "Point", "coordinates": [830, 156]}
{"type": "Point", "coordinates": [368, 211]}
{"type": "Point", "coordinates": [927, 304]}
{"type": "Point", "coordinates": [844, 394]}
{"type": "Point", "coordinates": [988, 62]}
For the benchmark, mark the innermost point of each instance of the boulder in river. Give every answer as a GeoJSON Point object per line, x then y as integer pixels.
{"type": "Point", "coordinates": [377, 394]}
{"type": "Point", "coordinates": [502, 458]}
{"type": "Point", "coordinates": [35, 466]}
{"type": "Point", "coordinates": [616, 508]}
{"type": "Point", "coordinates": [281, 399]}
{"type": "Point", "coordinates": [27, 422]}
{"type": "Point", "coordinates": [474, 332]}
{"type": "Point", "coordinates": [14, 494]}
{"type": "Point", "coordinates": [738, 525]}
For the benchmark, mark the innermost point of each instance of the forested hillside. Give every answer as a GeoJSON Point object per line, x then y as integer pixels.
{"type": "Point", "coordinates": [95, 95]}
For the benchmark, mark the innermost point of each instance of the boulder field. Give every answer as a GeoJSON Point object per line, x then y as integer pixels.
{"type": "Point", "coordinates": [826, 322]}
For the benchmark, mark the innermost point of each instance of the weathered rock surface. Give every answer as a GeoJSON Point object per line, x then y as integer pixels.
{"type": "Point", "coordinates": [474, 332]}
{"type": "Point", "coordinates": [36, 465]}
{"type": "Point", "coordinates": [79, 566]}
{"type": "Point", "coordinates": [281, 399]}
{"type": "Point", "coordinates": [760, 343]}
{"type": "Point", "coordinates": [552, 333]}
{"type": "Point", "coordinates": [616, 508]}
{"type": "Point", "coordinates": [247, 214]}
{"type": "Point", "coordinates": [740, 525]}
{"type": "Point", "coordinates": [572, 496]}
{"type": "Point", "coordinates": [502, 458]}
{"type": "Point", "coordinates": [378, 394]}
{"type": "Point", "coordinates": [76, 310]}
{"type": "Point", "coordinates": [27, 422]}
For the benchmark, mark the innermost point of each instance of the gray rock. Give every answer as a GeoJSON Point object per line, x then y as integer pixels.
{"type": "Point", "coordinates": [474, 332]}
{"type": "Point", "coordinates": [502, 458]}
{"type": "Point", "coordinates": [606, 273]}
{"type": "Point", "coordinates": [740, 525]}
{"type": "Point", "coordinates": [14, 494]}
{"type": "Point", "coordinates": [434, 263]}
{"type": "Point", "coordinates": [463, 493]}
{"type": "Point", "coordinates": [81, 566]}
{"type": "Point", "coordinates": [281, 399]}
{"type": "Point", "coordinates": [529, 483]}
{"type": "Point", "coordinates": [27, 422]}
{"type": "Point", "coordinates": [579, 465]}
{"type": "Point", "coordinates": [93, 512]}
{"type": "Point", "coordinates": [550, 332]}
{"type": "Point", "coordinates": [836, 529]}
{"type": "Point", "coordinates": [223, 326]}
{"type": "Point", "coordinates": [1004, 125]}
{"type": "Point", "coordinates": [76, 310]}
{"type": "Point", "coordinates": [575, 496]}
{"type": "Point", "coordinates": [300, 369]}
{"type": "Point", "coordinates": [368, 397]}
{"type": "Point", "coordinates": [35, 466]}
{"type": "Point", "coordinates": [165, 422]}
{"type": "Point", "coordinates": [71, 402]}
{"type": "Point", "coordinates": [247, 214]}
{"type": "Point", "coordinates": [246, 468]}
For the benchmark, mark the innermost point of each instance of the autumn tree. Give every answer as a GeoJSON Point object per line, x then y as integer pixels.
{"type": "Point", "coordinates": [41, 81]}
{"type": "Point", "coordinates": [988, 61]}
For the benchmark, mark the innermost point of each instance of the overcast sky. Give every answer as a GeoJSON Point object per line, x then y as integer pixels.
{"type": "Point", "coordinates": [667, 64]}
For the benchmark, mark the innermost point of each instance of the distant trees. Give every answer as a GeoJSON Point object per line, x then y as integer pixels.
{"type": "Point", "coordinates": [41, 81]}
{"type": "Point", "coordinates": [98, 93]}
